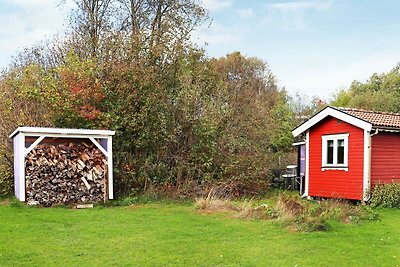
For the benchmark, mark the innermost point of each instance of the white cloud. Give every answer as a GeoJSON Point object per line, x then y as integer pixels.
{"type": "Point", "coordinates": [31, 3]}
{"type": "Point", "coordinates": [216, 5]}
{"type": "Point", "coordinates": [245, 13]}
{"type": "Point", "coordinates": [215, 34]}
{"type": "Point", "coordinates": [292, 15]}
{"type": "Point", "coordinates": [28, 22]}
{"type": "Point", "coordinates": [319, 79]}
{"type": "Point", "coordinates": [302, 5]}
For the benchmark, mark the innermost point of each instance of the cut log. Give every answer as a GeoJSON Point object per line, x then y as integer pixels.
{"type": "Point", "coordinates": [86, 183]}
{"type": "Point", "coordinates": [65, 174]}
{"type": "Point", "coordinates": [84, 157]}
{"type": "Point", "coordinates": [80, 162]}
{"type": "Point", "coordinates": [89, 176]}
{"type": "Point", "coordinates": [84, 206]}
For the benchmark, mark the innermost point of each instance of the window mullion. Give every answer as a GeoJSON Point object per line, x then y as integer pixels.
{"type": "Point", "coordinates": [335, 151]}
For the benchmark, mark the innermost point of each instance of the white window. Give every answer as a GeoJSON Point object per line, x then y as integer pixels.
{"type": "Point", "coordinates": [335, 151]}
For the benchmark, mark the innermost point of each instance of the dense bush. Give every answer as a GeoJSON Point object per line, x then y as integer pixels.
{"type": "Point", "coordinates": [386, 195]}
{"type": "Point", "coordinates": [6, 181]}
{"type": "Point", "coordinates": [204, 129]}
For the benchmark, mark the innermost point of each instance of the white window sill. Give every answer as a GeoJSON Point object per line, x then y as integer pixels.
{"type": "Point", "coordinates": [335, 168]}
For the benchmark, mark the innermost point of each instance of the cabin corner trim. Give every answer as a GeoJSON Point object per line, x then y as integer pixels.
{"type": "Point", "coordinates": [367, 166]}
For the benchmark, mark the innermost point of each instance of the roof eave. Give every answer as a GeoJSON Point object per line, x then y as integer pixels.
{"type": "Point", "coordinates": [61, 131]}
{"type": "Point", "coordinates": [386, 128]}
{"type": "Point", "coordinates": [333, 112]}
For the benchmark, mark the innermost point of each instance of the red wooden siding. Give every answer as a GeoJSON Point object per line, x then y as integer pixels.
{"type": "Point", "coordinates": [385, 158]}
{"type": "Point", "coordinates": [336, 183]}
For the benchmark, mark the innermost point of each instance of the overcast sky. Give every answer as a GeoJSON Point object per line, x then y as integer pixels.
{"type": "Point", "coordinates": [313, 47]}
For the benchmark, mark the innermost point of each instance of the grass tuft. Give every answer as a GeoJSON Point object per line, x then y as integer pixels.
{"type": "Point", "coordinates": [16, 203]}
{"type": "Point", "coordinates": [307, 216]}
{"type": "Point", "coordinates": [214, 203]}
{"type": "Point", "coordinates": [249, 211]}
{"type": "Point", "coordinates": [288, 207]}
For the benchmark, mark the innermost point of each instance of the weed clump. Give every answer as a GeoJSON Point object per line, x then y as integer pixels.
{"type": "Point", "coordinates": [291, 211]}
{"type": "Point", "coordinates": [248, 210]}
{"type": "Point", "coordinates": [16, 203]}
{"type": "Point", "coordinates": [308, 216]}
{"type": "Point", "coordinates": [288, 206]}
{"type": "Point", "coordinates": [214, 203]}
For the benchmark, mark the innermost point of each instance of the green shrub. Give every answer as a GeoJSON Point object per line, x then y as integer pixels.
{"type": "Point", "coordinates": [386, 195]}
{"type": "Point", "coordinates": [16, 203]}
{"type": "Point", "coordinates": [6, 181]}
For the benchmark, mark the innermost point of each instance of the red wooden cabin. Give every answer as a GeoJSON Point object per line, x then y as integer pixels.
{"type": "Point", "coordinates": [350, 150]}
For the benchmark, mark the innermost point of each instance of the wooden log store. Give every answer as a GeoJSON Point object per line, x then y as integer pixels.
{"type": "Point", "coordinates": [62, 166]}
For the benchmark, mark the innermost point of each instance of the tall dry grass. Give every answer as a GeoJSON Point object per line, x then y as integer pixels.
{"type": "Point", "coordinates": [315, 216]}
{"type": "Point", "coordinates": [214, 202]}
{"type": "Point", "coordinates": [291, 211]}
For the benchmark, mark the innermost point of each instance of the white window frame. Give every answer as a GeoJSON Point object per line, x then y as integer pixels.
{"type": "Point", "coordinates": [335, 165]}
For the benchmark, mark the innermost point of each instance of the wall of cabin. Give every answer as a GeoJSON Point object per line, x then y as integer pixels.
{"type": "Point", "coordinates": [336, 183]}
{"type": "Point", "coordinates": [385, 158]}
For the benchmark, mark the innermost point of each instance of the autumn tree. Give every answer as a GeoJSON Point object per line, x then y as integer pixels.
{"type": "Point", "coordinates": [380, 92]}
{"type": "Point", "coordinates": [258, 118]}
{"type": "Point", "coordinates": [159, 24]}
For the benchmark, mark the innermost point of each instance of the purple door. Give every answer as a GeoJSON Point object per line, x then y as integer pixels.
{"type": "Point", "coordinates": [302, 160]}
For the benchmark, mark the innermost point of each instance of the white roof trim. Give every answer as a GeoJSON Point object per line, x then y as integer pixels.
{"type": "Point", "coordinates": [299, 143]}
{"type": "Point", "coordinates": [329, 111]}
{"type": "Point", "coordinates": [61, 131]}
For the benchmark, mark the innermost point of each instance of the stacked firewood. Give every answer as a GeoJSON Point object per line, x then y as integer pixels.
{"type": "Point", "coordinates": [65, 174]}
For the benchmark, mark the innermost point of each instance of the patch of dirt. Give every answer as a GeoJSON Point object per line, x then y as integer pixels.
{"type": "Point", "coordinates": [5, 202]}
{"type": "Point", "coordinates": [214, 211]}
{"type": "Point", "coordinates": [293, 207]}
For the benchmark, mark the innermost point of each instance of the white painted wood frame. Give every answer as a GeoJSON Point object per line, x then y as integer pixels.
{"type": "Point", "coordinates": [61, 131]}
{"type": "Point", "coordinates": [34, 144]}
{"type": "Point", "coordinates": [367, 166]}
{"type": "Point", "coordinates": [20, 151]}
{"type": "Point", "coordinates": [307, 174]}
{"type": "Point", "coordinates": [110, 170]}
{"type": "Point", "coordinates": [19, 166]}
{"type": "Point", "coordinates": [100, 147]}
{"type": "Point", "coordinates": [335, 166]}
{"type": "Point", "coordinates": [330, 111]}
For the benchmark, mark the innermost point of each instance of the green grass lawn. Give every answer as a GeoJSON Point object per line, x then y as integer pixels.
{"type": "Point", "coordinates": [177, 235]}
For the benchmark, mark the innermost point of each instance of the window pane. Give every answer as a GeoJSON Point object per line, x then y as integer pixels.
{"type": "Point", "coordinates": [340, 151]}
{"type": "Point", "coordinates": [330, 143]}
{"type": "Point", "coordinates": [330, 152]}
{"type": "Point", "coordinates": [340, 142]}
